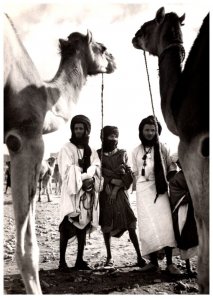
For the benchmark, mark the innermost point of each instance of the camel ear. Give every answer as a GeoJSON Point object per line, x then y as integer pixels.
{"type": "Point", "coordinates": [89, 36]}
{"type": "Point", "coordinates": [160, 15]}
{"type": "Point", "coordinates": [181, 19]}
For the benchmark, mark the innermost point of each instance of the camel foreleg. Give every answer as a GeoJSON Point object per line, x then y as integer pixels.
{"type": "Point", "coordinates": [39, 191]}
{"type": "Point", "coordinates": [48, 195]}
{"type": "Point", "coordinates": [27, 254]}
{"type": "Point", "coordinates": [194, 159]}
{"type": "Point", "coordinates": [25, 166]}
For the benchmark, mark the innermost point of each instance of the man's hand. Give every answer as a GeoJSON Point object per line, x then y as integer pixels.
{"type": "Point", "coordinates": [88, 185]}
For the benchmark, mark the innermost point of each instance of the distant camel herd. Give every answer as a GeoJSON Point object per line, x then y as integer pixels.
{"type": "Point", "coordinates": [49, 181]}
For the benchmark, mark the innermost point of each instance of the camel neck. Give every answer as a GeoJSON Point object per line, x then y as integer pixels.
{"type": "Point", "coordinates": [71, 75]}
{"type": "Point", "coordinates": [169, 71]}
{"type": "Point", "coordinates": [63, 92]}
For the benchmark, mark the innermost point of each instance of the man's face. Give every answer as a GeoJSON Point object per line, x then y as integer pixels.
{"type": "Point", "coordinates": [79, 130]}
{"type": "Point", "coordinates": [149, 132]}
{"type": "Point", "coordinates": [112, 137]}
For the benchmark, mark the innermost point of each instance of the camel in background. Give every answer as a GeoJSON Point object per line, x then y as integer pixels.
{"type": "Point", "coordinates": [185, 107]}
{"type": "Point", "coordinates": [45, 177]}
{"type": "Point", "coordinates": [57, 179]}
{"type": "Point", "coordinates": [33, 107]}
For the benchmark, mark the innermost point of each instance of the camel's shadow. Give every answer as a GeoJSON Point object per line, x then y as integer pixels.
{"type": "Point", "coordinates": [125, 280]}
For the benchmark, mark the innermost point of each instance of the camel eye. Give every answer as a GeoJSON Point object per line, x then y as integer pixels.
{"type": "Point", "coordinates": [103, 49]}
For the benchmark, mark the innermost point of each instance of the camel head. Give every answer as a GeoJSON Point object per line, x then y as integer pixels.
{"type": "Point", "coordinates": [96, 58]}
{"type": "Point", "coordinates": [156, 35]}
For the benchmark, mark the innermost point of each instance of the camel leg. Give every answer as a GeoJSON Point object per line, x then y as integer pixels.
{"type": "Point", "coordinates": [50, 186]}
{"type": "Point", "coordinates": [25, 167]}
{"type": "Point", "coordinates": [39, 191]}
{"type": "Point", "coordinates": [48, 196]}
{"type": "Point", "coordinates": [195, 162]}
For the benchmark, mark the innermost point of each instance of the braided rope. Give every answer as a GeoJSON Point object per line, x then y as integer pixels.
{"type": "Point", "coordinates": [102, 125]}
{"type": "Point", "coordinates": [150, 91]}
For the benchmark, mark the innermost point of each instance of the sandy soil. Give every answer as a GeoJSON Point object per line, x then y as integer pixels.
{"type": "Point", "coordinates": [123, 278]}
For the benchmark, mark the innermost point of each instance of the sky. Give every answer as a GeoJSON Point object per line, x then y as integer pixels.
{"type": "Point", "coordinates": [113, 23]}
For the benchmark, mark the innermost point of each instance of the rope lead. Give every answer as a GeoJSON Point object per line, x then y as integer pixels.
{"type": "Point", "coordinates": [102, 125]}
{"type": "Point", "coordinates": [150, 91]}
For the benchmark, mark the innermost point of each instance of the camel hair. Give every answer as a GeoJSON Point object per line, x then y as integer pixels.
{"type": "Point", "coordinates": [33, 107]}
{"type": "Point", "coordinates": [185, 108]}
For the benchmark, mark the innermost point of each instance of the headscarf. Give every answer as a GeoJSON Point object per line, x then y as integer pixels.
{"type": "Point", "coordinates": [81, 119]}
{"type": "Point", "coordinates": [150, 121]}
{"type": "Point", "coordinates": [160, 178]}
{"type": "Point", "coordinates": [109, 145]}
{"type": "Point", "coordinates": [84, 141]}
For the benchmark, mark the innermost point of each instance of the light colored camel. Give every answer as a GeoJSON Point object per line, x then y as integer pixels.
{"type": "Point", "coordinates": [185, 107]}
{"type": "Point", "coordinates": [33, 107]}
{"type": "Point", "coordinates": [57, 179]}
{"type": "Point", "coordinates": [45, 177]}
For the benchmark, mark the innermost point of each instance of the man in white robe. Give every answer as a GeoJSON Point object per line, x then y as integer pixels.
{"type": "Point", "coordinates": [152, 167]}
{"type": "Point", "coordinates": [79, 166]}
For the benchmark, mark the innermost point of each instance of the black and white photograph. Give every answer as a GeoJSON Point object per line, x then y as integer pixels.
{"type": "Point", "coordinates": [105, 156]}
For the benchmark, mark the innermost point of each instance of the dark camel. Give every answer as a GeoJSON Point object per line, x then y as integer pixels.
{"type": "Point", "coordinates": [33, 107]}
{"type": "Point", "coordinates": [185, 107]}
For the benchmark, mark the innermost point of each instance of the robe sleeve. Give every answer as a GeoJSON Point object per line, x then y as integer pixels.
{"type": "Point", "coordinates": [134, 163]}
{"type": "Point", "coordinates": [128, 177]}
{"type": "Point", "coordinates": [70, 173]}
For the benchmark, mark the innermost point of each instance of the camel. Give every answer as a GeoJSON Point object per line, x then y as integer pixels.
{"type": "Point", "coordinates": [45, 177]}
{"type": "Point", "coordinates": [57, 180]}
{"type": "Point", "coordinates": [185, 107]}
{"type": "Point", "coordinates": [33, 107]}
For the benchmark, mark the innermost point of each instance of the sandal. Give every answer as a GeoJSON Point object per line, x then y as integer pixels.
{"type": "Point", "coordinates": [141, 263]}
{"type": "Point", "coordinates": [150, 267]}
{"type": "Point", "coordinates": [173, 270]}
{"type": "Point", "coordinates": [109, 263]}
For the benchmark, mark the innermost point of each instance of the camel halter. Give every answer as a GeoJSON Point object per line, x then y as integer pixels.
{"type": "Point", "coordinates": [150, 91]}
{"type": "Point", "coordinates": [102, 122]}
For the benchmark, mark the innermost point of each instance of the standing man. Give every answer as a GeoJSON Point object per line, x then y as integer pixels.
{"type": "Point", "coordinates": [153, 168]}
{"type": "Point", "coordinates": [185, 227]}
{"type": "Point", "coordinates": [116, 214]}
{"type": "Point", "coordinates": [79, 166]}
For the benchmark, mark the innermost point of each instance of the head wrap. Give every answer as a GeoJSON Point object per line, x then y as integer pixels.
{"type": "Point", "coordinates": [84, 141]}
{"type": "Point", "coordinates": [160, 178]}
{"type": "Point", "coordinates": [150, 121]}
{"type": "Point", "coordinates": [81, 119]}
{"type": "Point", "coordinates": [109, 145]}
